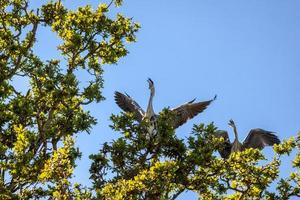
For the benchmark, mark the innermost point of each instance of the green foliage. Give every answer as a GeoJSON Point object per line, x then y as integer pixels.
{"type": "Point", "coordinates": [289, 186]}
{"type": "Point", "coordinates": [37, 128]}
{"type": "Point", "coordinates": [37, 152]}
{"type": "Point", "coordinates": [162, 166]}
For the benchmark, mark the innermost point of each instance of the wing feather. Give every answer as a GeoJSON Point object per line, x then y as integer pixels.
{"type": "Point", "coordinates": [126, 103]}
{"type": "Point", "coordinates": [188, 111]}
{"type": "Point", "coordinates": [225, 150]}
{"type": "Point", "coordinates": [259, 138]}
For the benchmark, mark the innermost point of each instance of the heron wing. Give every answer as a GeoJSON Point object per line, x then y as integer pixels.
{"type": "Point", "coordinates": [126, 103]}
{"type": "Point", "coordinates": [188, 111]}
{"type": "Point", "coordinates": [224, 150]}
{"type": "Point", "coordinates": [259, 138]}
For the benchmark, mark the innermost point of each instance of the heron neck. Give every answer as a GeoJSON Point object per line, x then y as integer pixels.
{"type": "Point", "coordinates": [150, 110]}
{"type": "Point", "coordinates": [235, 133]}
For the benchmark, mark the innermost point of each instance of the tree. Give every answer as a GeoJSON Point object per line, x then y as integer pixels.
{"type": "Point", "coordinates": [164, 166]}
{"type": "Point", "coordinates": [37, 128]}
{"type": "Point", "coordinates": [37, 152]}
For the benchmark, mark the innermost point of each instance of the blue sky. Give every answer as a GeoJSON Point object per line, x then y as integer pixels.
{"type": "Point", "coordinates": [246, 52]}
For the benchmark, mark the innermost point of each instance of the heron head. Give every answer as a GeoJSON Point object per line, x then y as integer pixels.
{"type": "Point", "coordinates": [151, 84]}
{"type": "Point", "coordinates": [231, 123]}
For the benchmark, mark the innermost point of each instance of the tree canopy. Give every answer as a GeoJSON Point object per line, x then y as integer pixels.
{"type": "Point", "coordinates": [38, 127]}
{"type": "Point", "coordinates": [164, 166]}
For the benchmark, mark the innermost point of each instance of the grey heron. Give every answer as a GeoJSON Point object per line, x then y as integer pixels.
{"type": "Point", "coordinates": [257, 139]}
{"type": "Point", "coordinates": [182, 113]}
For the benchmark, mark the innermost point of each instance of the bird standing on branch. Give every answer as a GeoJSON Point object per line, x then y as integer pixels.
{"type": "Point", "coordinates": [181, 113]}
{"type": "Point", "coordinates": [257, 139]}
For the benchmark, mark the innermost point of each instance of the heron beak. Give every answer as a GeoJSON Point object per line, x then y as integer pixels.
{"type": "Point", "coordinates": [231, 123]}
{"type": "Point", "coordinates": [150, 82]}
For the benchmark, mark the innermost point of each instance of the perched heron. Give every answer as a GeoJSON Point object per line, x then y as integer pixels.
{"type": "Point", "coordinates": [257, 139]}
{"type": "Point", "coordinates": [181, 113]}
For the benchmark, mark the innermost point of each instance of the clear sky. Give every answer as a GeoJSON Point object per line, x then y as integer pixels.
{"type": "Point", "coordinates": [246, 52]}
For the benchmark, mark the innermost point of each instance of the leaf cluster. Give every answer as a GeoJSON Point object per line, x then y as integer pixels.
{"type": "Point", "coordinates": [162, 166]}
{"type": "Point", "coordinates": [37, 126]}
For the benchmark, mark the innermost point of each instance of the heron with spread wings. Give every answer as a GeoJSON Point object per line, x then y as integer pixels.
{"type": "Point", "coordinates": [182, 113]}
{"type": "Point", "coordinates": [257, 139]}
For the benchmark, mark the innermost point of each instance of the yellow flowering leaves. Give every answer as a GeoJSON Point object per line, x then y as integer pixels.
{"type": "Point", "coordinates": [37, 153]}
{"type": "Point", "coordinates": [22, 140]}
{"type": "Point", "coordinates": [35, 122]}
{"type": "Point", "coordinates": [137, 170]}
{"type": "Point", "coordinates": [245, 176]}
{"type": "Point", "coordinates": [87, 32]}
{"type": "Point", "coordinates": [286, 146]}
{"type": "Point", "coordinates": [156, 180]}
{"type": "Point", "coordinates": [59, 167]}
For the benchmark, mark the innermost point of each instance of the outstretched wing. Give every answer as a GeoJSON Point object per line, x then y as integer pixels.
{"type": "Point", "coordinates": [259, 138]}
{"type": "Point", "coordinates": [188, 111]}
{"type": "Point", "coordinates": [224, 150]}
{"type": "Point", "coordinates": [126, 103]}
